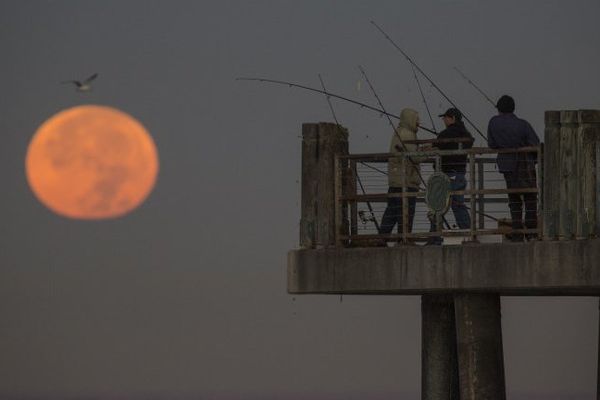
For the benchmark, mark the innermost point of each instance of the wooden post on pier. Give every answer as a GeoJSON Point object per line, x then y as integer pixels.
{"type": "Point", "coordinates": [320, 143]}
{"type": "Point", "coordinates": [568, 179]}
{"type": "Point", "coordinates": [588, 135]}
{"type": "Point", "coordinates": [551, 191]}
{"type": "Point", "coordinates": [570, 199]}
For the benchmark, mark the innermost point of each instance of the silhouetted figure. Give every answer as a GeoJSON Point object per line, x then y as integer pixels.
{"type": "Point", "coordinates": [455, 167]}
{"type": "Point", "coordinates": [506, 130]}
{"type": "Point", "coordinates": [407, 130]}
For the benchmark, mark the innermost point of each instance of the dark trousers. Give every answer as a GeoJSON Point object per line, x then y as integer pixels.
{"type": "Point", "coordinates": [522, 178]}
{"type": "Point", "coordinates": [393, 211]}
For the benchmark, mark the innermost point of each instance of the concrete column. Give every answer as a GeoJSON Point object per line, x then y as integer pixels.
{"type": "Point", "coordinates": [320, 143]}
{"type": "Point", "coordinates": [480, 354]}
{"type": "Point", "coordinates": [439, 363]}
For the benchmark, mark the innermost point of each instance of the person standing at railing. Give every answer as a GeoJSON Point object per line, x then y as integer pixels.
{"type": "Point", "coordinates": [506, 130]}
{"type": "Point", "coordinates": [407, 130]}
{"type": "Point", "coordinates": [455, 166]}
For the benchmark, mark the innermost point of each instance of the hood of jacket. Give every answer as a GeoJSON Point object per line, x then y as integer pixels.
{"type": "Point", "coordinates": [408, 119]}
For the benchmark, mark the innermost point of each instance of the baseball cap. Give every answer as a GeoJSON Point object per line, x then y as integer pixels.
{"type": "Point", "coordinates": [452, 112]}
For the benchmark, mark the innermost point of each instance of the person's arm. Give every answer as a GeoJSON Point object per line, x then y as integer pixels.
{"type": "Point", "coordinates": [531, 138]}
{"type": "Point", "coordinates": [468, 145]}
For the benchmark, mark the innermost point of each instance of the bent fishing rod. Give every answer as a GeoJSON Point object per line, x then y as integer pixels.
{"type": "Point", "coordinates": [410, 60]}
{"type": "Point", "coordinates": [476, 87]}
{"type": "Point", "coordinates": [404, 148]}
{"type": "Point", "coordinates": [325, 92]}
{"type": "Point", "coordinates": [423, 97]}
{"type": "Point", "coordinates": [362, 188]}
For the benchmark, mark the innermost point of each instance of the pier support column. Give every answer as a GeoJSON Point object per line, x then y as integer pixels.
{"type": "Point", "coordinates": [480, 354]}
{"type": "Point", "coordinates": [439, 362]}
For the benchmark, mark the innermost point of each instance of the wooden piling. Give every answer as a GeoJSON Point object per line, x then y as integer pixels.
{"type": "Point", "coordinates": [597, 231]}
{"type": "Point", "coordinates": [568, 179]}
{"type": "Point", "coordinates": [551, 178]}
{"type": "Point", "coordinates": [320, 143]}
{"type": "Point", "coordinates": [588, 134]}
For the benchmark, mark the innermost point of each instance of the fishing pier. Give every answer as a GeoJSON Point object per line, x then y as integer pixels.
{"type": "Point", "coordinates": [462, 281]}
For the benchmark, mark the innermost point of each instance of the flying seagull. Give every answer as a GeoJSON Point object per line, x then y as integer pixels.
{"type": "Point", "coordinates": [84, 86]}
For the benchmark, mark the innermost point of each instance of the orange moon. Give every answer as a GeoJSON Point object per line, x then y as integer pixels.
{"type": "Point", "coordinates": [91, 162]}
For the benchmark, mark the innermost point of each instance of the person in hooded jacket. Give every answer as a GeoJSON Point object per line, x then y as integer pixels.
{"type": "Point", "coordinates": [406, 131]}
{"type": "Point", "coordinates": [455, 166]}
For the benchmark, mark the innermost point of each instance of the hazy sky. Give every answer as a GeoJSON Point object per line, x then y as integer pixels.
{"type": "Point", "coordinates": [186, 296]}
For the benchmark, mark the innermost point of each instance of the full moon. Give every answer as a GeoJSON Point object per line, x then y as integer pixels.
{"type": "Point", "coordinates": [91, 162]}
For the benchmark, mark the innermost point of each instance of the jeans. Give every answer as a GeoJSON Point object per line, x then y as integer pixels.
{"type": "Point", "coordinates": [393, 212]}
{"type": "Point", "coordinates": [457, 203]}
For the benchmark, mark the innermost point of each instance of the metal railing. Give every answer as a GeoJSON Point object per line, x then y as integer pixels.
{"type": "Point", "coordinates": [361, 188]}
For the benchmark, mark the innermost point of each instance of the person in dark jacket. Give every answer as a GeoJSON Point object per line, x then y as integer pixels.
{"type": "Point", "coordinates": [506, 130]}
{"type": "Point", "coordinates": [455, 167]}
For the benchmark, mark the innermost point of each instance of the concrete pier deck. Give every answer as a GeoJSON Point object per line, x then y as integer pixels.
{"type": "Point", "coordinates": [539, 268]}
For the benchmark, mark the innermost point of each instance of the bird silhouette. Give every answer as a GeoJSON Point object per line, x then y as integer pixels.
{"type": "Point", "coordinates": [83, 86]}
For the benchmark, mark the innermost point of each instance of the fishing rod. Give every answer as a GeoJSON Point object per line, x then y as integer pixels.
{"type": "Point", "coordinates": [363, 105]}
{"type": "Point", "coordinates": [423, 96]}
{"type": "Point", "coordinates": [422, 180]}
{"type": "Point", "coordinates": [476, 87]}
{"type": "Point", "coordinates": [362, 71]}
{"type": "Point", "coordinates": [355, 172]}
{"type": "Point", "coordinates": [329, 101]}
{"type": "Point", "coordinates": [425, 75]}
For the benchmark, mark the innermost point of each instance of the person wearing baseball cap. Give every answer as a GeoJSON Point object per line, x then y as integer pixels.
{"type": "Point", "coordinates": [452, 113]}
{"type": "Point", "coordinates": [455, 167]}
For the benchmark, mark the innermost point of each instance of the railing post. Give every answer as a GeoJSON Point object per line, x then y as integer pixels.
{"type": "Point", "coordinates": [480, 198]}
{"type": "Point", "coordinates": [540, 188]}
{"type": "Point", "coordinates": [597, 232]}
{"type": "Point", "coordinates": [473, 226]}
{"type": "Point", "coordinates": [337, 195]}
{"type": "Point", "coordinates": [438, 216]}
{"type": "Point", "coordinates": [404, 200]}
{"type": "Point", "coordinates": [352, 189]}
